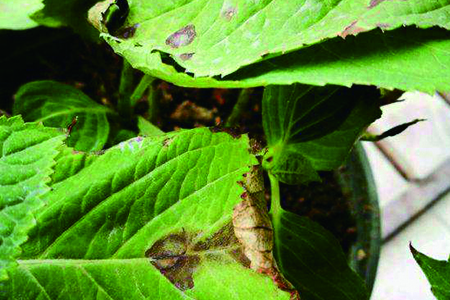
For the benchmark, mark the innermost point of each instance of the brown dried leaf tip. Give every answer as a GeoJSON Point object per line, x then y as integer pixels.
{"type": "Point", "coordinates": [253, 229]}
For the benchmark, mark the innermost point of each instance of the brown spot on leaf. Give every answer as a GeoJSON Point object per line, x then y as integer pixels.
{"type": "Point", "coordinates": [352, 29]}
{"type": "Point", "coordinates": [167, 142]}
{"type": "Point", "coordinates": [374, 3]}
{"type": "Point", "coordinates": [383, 25]}
{"type": "Point", "coordinates": [169, 256]}
{"type": "Point", "coordinates": [186, 56]}
{"type": "Point", "coordinates": [127, 32]}
{"type": "Point", "coordinates": [229, 13]}
{"type": "Point", "coordinates": [182, 37]}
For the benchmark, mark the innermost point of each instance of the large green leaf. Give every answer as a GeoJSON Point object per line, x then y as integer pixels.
{"type": "Point", "coordinates": [149, 218]}
{"type": "Point", "coordinates": [313, 128]}
{"type": "Point", "coordinates": [14, 14]}
{"type": "Point", "coordinates": [27, 153]}
{"type": "Point", "coordinates": [209, 38]}
{"type": "Point", "coordinates": [374, 58]}
{"type": "Point", "coordinates": [56, 104]}
{"type": "Point", "coordinates": [437, 272]}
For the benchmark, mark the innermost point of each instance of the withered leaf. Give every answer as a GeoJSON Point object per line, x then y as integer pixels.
{"type": "Point", "coordinates": [253, 228]}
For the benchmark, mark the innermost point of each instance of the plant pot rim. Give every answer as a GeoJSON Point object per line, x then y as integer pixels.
{"type": "Point", "coordinates": [358, 185]}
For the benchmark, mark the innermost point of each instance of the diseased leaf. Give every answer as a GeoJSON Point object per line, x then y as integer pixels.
{"type": "Point", "coordinates": [148, 219]}
{"type": "Point", "coordinates": [374, 58]}
{"type": "Point", "coordinates": [253, 228]}
{"type": "Point", "coordinates": [437, 273]}
{"type": "Point", "coordinates": [211, 38]}
{"type": "Point", "coordinates": [27, 153]}
{"type": "Point", "coordinates": [15, 14]}
{"type": "Point", "coordinates": [59, 105]}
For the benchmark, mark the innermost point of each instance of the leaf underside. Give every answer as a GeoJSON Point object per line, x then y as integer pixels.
{"type": "Point", "coordinates": [210, 38]}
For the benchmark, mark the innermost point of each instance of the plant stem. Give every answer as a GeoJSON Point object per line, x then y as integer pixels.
{"type": "Point", "coordinates": [275, 204]}
{"type": "Point", "coordinates": [125, 89]}
{"type": "Point", "coordinates": [141, 88]}
{"type": "Point", "coordinates": [239, 107]}
{"type": "Point", "coordinates": [152, 103]}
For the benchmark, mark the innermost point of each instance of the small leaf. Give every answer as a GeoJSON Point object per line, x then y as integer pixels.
{"type": "Point", "coordinates": [15, 14]}
{"type": "Point", "coordinates": [57, 105]}
{"type": "Point", "coordinates": [27, 153]}
{"type": "Point", "coordinates": [390, 132]}
{"type": "Point", "coordinates": [437, 273]}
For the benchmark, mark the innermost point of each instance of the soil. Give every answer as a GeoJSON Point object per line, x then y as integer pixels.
{"type": "Point", "coordinates": [58, 54]}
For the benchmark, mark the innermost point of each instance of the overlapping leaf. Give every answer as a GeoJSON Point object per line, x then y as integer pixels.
{"type": "Point", "coordinates": [374, 58]}
{"type": "Point", "coordinates": [58, 105]}
{"type": "Point", "coordinates": [312, 128]}
{"type": "Point", "coordinates": [26, 160]}
{"type": "Point", "coordinates": [437, 272]}
{"type": "Point", "coordinates": [149, 218]}
{"type": "Point", "coordinates": [210, 38]}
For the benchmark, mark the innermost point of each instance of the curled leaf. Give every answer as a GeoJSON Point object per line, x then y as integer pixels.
{"type": "Point", "coordinates": [253, 229]}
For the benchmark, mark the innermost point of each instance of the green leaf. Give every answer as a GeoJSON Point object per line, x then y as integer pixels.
{"type": "Point", "coordinates": [15, 13]}
{"type": "Point", "coordinates": [148, 219]}
{"type": "Point", "coordinates": [310, 257]}
{"type": "Point", "coordinates": [148, 129]}
{"type": "Point", "coordinates": [57, 105]}
{"type": "Point", "coordinates": [292, 168]}
{"type": "Point", "coordinates": [437, 273]}
{"type": "Point", "coordinates": [330, 151]}
{"type": "Point", "coordinates": [312, 128]}
{"type": "Point", "coordinates": [211, 38]}
{"type": "Point", "coordinates": [313, 261]}
{"type": "Point", "coordinates": [69, 162]}
{"type": "Point", "coordinates": [72, 13]}
{"type": "Point", "coordinates": [374, 58]}
{"type": "Point", "coordinates": [27, 156]}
